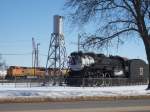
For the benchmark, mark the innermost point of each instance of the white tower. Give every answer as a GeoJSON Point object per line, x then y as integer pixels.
{"type": "Point", "coordinates": [56, 59]}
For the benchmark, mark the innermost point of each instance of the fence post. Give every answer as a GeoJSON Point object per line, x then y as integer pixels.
{"type": "Point", "coordinates": [83, 82]}
{"type": "Point", "coordinates": [15, 82]}
{"type": "Point", "coordinates": [30, 83]}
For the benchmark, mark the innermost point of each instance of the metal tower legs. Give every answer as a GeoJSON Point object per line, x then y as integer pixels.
{"type": "Point", "coordinates": [57, 59]}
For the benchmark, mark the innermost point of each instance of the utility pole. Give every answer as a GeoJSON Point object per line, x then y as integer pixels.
{"type": "Point", "coordinates": [79, 37]}
{"type": "Point", "coordinates": [37, 53]}
{"type": "Point", "coordinates": [33, 52]}
{"type": "Point", "coordinates": [34, 56]}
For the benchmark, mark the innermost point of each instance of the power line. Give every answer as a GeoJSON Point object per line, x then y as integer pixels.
{"type": "Point", "coordinates": [21, 40]}
{"type": "Point", "coordinates": [15, 41]}
{"type": "Point", "coordinates": [22, 54]}
{"type": "Point", "coordinates": [15, 53]}
{"type": "Point", "coordinates": [43, 54]}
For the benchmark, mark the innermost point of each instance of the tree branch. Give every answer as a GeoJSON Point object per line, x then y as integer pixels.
{"type": "Point", "coordinates": [121, 21]}
{"type": "Point", "coordinates": [130, 8]}
{"type": "Point", "coordinates": [93, 40]}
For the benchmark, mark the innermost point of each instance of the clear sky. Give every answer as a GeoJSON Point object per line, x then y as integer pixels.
{"type": "Point", "coordinates": [20, 20]}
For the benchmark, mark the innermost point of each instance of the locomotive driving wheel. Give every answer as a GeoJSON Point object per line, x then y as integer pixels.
{"type": "Point", "coordinates": [98, 81]}
{"type": "Point", "coordinates": [107, 81]}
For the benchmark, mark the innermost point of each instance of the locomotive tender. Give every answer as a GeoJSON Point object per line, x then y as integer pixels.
{"type": "Point", "coordinates": [91, 65]}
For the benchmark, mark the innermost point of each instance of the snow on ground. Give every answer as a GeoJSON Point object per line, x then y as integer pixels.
{"type": "Point", "coordinates": [3, 73]}
{"type": "Point", "coordinates": [68, 92]}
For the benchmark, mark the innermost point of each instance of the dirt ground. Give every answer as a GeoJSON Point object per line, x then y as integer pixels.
{"type": "Point", "coordinates": [119, 109]}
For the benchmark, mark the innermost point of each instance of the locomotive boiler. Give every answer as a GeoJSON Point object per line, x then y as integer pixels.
{"type": "Point", "coordinates": [99, 66]}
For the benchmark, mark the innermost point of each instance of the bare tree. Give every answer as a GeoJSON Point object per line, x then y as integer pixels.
{"type": "Point", "coordinates": [116, 19]}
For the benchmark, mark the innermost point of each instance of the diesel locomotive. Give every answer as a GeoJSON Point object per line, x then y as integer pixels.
{"type": "Point", "coordinates": [20, 72]}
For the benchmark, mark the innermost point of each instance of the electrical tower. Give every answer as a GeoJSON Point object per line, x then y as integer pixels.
{"type": "Point", "coordinates": [56, 59]}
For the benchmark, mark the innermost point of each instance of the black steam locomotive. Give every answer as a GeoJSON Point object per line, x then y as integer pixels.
{"type": "Point", "coordinates": [98, 66]}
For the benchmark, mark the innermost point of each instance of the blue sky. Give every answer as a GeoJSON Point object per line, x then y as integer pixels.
{"type": "Point", "coordinates": [20, 20]}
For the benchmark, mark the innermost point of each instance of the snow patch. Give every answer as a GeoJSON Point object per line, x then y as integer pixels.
{"type": "Point", "coordinates": [71, 92]}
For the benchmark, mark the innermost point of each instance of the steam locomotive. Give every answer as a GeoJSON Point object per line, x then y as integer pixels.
{"type": "Point", "coordinates": [98, 66]}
